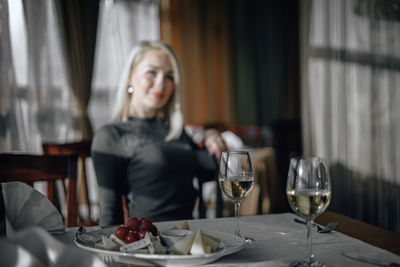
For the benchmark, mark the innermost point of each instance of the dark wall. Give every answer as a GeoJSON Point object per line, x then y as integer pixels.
{"type": "Point", "coordinates": [265, 45]}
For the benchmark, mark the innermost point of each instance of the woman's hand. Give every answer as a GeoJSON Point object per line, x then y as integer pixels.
{"type": "Point", "coordinates": [214, 143]}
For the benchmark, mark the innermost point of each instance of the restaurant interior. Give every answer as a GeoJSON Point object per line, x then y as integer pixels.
{"type": "Point", "coordinates": [283, 79]}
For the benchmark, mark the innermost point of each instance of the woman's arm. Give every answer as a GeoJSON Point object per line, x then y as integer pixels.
{"type": "Point", "coordinates": [205, 162]}
{"type": "Point", "coordinates": [214, 143]}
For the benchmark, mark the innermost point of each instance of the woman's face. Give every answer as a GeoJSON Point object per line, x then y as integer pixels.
{"type": "Point", "coordinates": [153, 83]}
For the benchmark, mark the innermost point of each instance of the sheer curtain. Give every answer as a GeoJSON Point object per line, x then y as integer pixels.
{"type": "Point", "coordinates": [47, 56]}
{"type": "Point", "coordinates": [351, 103]}
{"type": "Point", "coordinates": [122, 24]}
{"type": "Point", "coordinates": [7, 82]}
{"type": "Point", "coordinates": [49, 91]}
{"type": "Point", "coordinates": [18, 129]}
{"type": "Point", "coordinates": [40, 99]}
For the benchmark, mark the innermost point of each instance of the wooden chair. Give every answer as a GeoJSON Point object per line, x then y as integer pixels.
{"type": "Point", "coordinates": [31, 168]}
{"type": "Point", "coordinates": [82, 148]}
{"type": "Point", "coordinates": [266, 196]}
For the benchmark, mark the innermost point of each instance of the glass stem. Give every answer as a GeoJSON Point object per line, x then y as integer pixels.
{"type": "Point", "coordinates": [237, 229]}
{"type": "Point", "coordinates": [309, 254]}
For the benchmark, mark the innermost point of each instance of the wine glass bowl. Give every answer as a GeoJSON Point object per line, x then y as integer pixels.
{"type": "Point", "coordinates": [236, 180]}
{"type": "Point", "coordinates": [308, 191]}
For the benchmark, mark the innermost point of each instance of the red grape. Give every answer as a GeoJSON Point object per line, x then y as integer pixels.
{"type": "Point", "coordinates": [133, 224]}
{"type": "Point", "coordinates": [121, 231]}
{"type": "Point", "coordinates": [131, 237]}
{"type": "Point", "coordinates": [145, 224]}
{"type": "Point", "coordinates": [142, 233]}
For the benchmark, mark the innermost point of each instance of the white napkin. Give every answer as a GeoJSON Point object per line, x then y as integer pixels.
{"type": "Point", "coordinates": [33, 246]}
{"type": "Point", "coordinates": [24, 207]}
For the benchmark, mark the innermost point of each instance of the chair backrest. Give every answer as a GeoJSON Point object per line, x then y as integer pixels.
{"type": "Point", "coordinates": [82, 148]}
{"type": "Point", "coordinates": [30, 168]}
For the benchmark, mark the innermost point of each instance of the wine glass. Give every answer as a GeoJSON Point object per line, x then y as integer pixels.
{"type": "Point", "coordinates": [308, 190]}
{"type": "Point", "coordinates": [236, 180]}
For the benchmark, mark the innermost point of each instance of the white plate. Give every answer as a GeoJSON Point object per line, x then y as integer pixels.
{"type": "Point", "coordinates": [230, 244]}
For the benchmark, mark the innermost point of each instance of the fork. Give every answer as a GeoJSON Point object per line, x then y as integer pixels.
{"type": "Point", "coordinates": [106, 258]}
{"type": "Point", "coordinates": [323, 230]}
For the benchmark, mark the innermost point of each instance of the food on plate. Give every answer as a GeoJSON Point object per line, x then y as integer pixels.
{"type": "Point", "coordinates": [185, 226]}
{"type": "Point", "coordinates": [142, 236]}
{"type": "Point", "coordinates": [135, 229]}
{"type": "Point", "coordinates": [137, 236]}
{"type": "Point", "coordinates": [108, 243]}
{"type": "Point", "coordinates": [133, 223]}
{"type": "Point", "coordinates": [170, 237]}
{"type": "Point", "coordinates": [190, 242]}
{"type": "Point", "coordinates": [148, 245]}
{"type": "Point", "coordinates": [122, 231]}
{"type": "Point", "coordinates": [184, 245]}
{"type": "Point", "coordinates": [132, 237]}
{"type": "Point", "coordinates": [203, 244]}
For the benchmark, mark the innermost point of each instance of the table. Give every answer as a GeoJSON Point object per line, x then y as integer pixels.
{"type": "Point", "coordinates": [368, 233]}
{"type": "Point", "coordinates": [279, 240]}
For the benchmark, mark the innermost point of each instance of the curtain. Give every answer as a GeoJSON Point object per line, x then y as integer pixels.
{"type": "Point", "coordinates": [265, 61]}
{"type": "Point", "coordinates": [351, 103]}
{"type": "Point", "coordinates": [48, 98]}
{"type": "Point", "coordinates": [122, 24]}
{"type": "Point", "coordinates": [79, 26]}
{"type": "Point", "coordinates": [47, 101]}
{"type": "Point", "coordinates": [8, 128]}
{"type": "Point", "coordinates": [19, 105]}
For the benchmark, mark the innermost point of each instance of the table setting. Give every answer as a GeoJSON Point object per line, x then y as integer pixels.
{"type": "Point", "coordinates": [282, 239]}
{"type": "Point", "coordinates": [286, 239]}
{"type": "Point", "coordinates": [278, 241]}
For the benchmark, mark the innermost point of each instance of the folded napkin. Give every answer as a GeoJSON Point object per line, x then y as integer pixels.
{"type": "Point", "coordinates": [33, 246]}
{"type": "Point", "coordinates": [25, 207]}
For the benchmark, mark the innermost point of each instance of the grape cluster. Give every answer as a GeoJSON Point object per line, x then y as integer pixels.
{"type": "Point", "coordinates": [135, 229]}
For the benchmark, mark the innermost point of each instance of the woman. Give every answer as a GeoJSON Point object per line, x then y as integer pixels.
{"type": "Point", "coordinates": [145, 154]}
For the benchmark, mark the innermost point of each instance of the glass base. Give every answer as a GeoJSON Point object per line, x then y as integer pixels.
{"type": "Point", "coordinates": [308, 264]}
{"type": "Point", "coordinates": [248, 240]}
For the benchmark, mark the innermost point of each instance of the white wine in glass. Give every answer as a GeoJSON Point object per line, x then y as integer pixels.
{"type": "Point", "coordinates": [236, 180]}
{"type": "Point", "coordinates": [308, 190]}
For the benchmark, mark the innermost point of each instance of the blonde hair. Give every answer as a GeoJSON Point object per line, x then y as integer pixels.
{"type": "Point", "coordinates": [171, 112]}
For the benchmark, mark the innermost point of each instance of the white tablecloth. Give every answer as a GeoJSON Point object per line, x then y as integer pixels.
{"type": "Point", "coordinates": [280, 240]}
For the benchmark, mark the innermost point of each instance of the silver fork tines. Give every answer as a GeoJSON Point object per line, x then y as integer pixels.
{"type": "Point", "coordinates": [328, 228]}
{"type": "Point", "coordinates": [106, 258]}
{"type": "Point", "coordinates": [321, 229]}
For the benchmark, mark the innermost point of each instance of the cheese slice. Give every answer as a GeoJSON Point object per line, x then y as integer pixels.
{"type": "Point", "coordinates": [108, 243]}
{"type": "Point", "coordinates": [211, 241]}
{"type": "Point", "coordinates": [184, 245]}
{"type": "Point", "coordinates": [156, 248]}
{"type": "Point", "coordinates": [116, 240]}
{"type": "Point", "coordinates": [185, 226]}
{"type": "Point", "coordinates": [132, 247]}
{"type": "Point", "coordinates": [199, 247]}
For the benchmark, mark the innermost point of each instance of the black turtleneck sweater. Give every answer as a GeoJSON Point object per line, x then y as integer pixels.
{"type": "Point", "coordinates": [131, 158]}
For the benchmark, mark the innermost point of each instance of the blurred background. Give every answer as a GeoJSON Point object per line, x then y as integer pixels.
{"type": "Point", "coordinates": [311, 77]}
